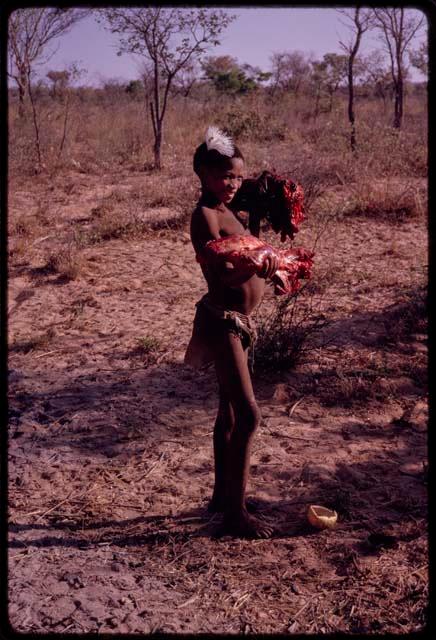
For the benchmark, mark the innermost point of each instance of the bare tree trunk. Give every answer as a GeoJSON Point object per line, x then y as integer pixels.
{"type": "Point", "coordinates": [361, 23]}
{"type": "Point", "coordinates": [157, 147]}
{"type": "Point", "coordinates": [35, 124]}
{"type": "Point", "coordinates": [157, 131]}
{"type": "Point", "coordinates": [351, 117]}
{"type": "Point", "coordinates": [398, 104]}
{"type": "Point", "coordinates": [64, 133]}
{"type": "Point", "coordinates": [316, 112]}
{"type": "Point", "coordinates": [22, 85]}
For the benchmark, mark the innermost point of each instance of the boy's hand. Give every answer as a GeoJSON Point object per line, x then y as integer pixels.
{"type": "Point", "coordinates": [270, 266]}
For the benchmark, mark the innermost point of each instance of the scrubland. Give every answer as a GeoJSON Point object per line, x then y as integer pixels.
{"type": "Point", "coordinates": [110, 446]}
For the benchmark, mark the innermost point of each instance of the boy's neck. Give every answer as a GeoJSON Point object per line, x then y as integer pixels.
{"type": "Point", "coordinates": [208, 199]}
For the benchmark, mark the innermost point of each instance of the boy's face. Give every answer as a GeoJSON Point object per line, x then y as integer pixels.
{"type": "Point", "coordinates": [224, 181]}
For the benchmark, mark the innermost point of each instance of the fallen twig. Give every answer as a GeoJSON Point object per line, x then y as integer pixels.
{"type": "Point", "coordinates": [190, 601]}
{"type": "Point", "coordinates": [283, 435]}
{"type": "Point", "coordinates": [34, 513]}
{"type": "Point", "coordinates": [48, 353]}
{"type": "Point", "coordinates": [294, 406]}
{"type": "Point", "coordinates": [147, 473]}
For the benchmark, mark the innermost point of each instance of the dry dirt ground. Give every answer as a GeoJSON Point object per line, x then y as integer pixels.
{"type": "Point", "coordinates": [110, 436]}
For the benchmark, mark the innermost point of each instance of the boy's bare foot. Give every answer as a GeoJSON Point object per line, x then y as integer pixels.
{"type": "Point", "coordinates": [245, 526]}
{"type": "Point", "coordinates": [217, 506]}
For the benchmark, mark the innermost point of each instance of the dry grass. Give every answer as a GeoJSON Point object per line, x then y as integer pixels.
{"type": "Point", "coordinates": [132, 212]}
{"type": "Point", "coordinates": [95, 144]}
{"type": "Point", "coordinates": [388, 199]}
{"type": "Point", "coordinates": [67, 262]}
{"type": "Point", "coordinates": [34, 343]}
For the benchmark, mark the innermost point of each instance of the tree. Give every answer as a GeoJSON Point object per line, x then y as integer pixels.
{"type": "Point", "coordinates": [135, 89]}
{"type": "Point", "coordinates": [186, 79]}
{"type": "Point", "coordinates": [59, 80]}
{"type": "Point", "coordinates": [397, 32]}
{"type": "Point", "coordinates": [326, 76]}
{"type": "Point", "coordinates": [30, 32]}
{"type": "Point", "coordinates": [228, 76]}
{"type": "Point", "coordinates": [360, 20]}
{"type": "Point", "coordinates": [336, 71]}
{"type": "Point", "coordinates": [377, 75]}
{"type": "Point", "coordinates": [70, 75]}
{"type": "Point", "coordinates": [290, 70]}
{"type": "Point", "coordinates": [419, 58]}
{"type": "Point", "coordinates": [214, 66]}
{"type": "Point", "coordinates": [171, 39]}
{"type": "Point", "coordinates": [255, 74]}
{"type": "Point", "coordinates": [318, 79]}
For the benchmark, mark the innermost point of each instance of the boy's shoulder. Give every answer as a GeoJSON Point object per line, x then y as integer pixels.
{"type": "Point", "coordinates": [205, 224]}
{"type": "Point", "coordinates": [202, 211]}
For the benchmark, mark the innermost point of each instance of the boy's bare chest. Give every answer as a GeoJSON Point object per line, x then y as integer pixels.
{"type": "Point", "coordinates": [229, 224]}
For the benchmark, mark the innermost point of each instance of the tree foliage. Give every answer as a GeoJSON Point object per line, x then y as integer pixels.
{"type": "Point", "coordinates": [228, 76]}
{"type": "Point", "coordinates": [419, 58]}
{"type": "Point", "coordinates": [290, 71]}
{"type": "Point", "coordinates": [59, 80]}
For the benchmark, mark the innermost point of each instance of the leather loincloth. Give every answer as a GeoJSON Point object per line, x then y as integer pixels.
{"type": "Point", "coordinates": [210, 319]}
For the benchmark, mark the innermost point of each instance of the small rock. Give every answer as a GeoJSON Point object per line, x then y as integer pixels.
{"type": "Point", "coordinates": [59, 609]}
{"type": "Point", "coordinates": [73, 580]}
{"type": "Point", "coordinates": [136, 283]}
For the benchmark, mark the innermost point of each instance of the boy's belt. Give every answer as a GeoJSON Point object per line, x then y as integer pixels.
{"type": "Point", "coordinates": [243, 323]}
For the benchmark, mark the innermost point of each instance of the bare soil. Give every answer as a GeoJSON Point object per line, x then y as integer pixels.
{"type": "Point", "coordinates": [110, 444]}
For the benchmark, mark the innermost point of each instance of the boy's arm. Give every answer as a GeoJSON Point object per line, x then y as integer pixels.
{"type": "Point", "coordinates": [271, 263]}
{"type": "Point", "coordinates": [254, 224]}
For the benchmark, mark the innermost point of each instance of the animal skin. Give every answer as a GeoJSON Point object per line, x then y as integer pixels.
{"type": "Point", "coordinates": [247, 254]}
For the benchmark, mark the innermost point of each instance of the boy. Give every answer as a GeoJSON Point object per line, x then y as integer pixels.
{"type": "Point", "coordinates": [223, 330]}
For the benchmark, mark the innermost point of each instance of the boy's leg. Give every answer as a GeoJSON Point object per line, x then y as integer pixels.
{"type": "Point", "coordinates": [231, 363]}
{"type": "Point", "coordinates": [224, 425]}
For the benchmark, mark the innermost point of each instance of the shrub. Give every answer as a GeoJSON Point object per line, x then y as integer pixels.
{"type": "Point", "coordinates": [250, 124]}
{"type": "Point", "coordinates": [66, 262]}
{"type": "Point", "coordinates": [285, 335]}
{"type": "Point", "coordinates": [148, 349]}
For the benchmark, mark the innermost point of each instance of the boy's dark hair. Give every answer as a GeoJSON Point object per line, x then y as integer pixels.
{"type": "Point", "coordinates": [203, 157]}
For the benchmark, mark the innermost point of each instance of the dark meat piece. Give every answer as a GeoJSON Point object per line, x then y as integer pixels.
{"type": "Point", "coordinates": [248, 253]}
{"type": "Point", "coordinates": [275, 199]}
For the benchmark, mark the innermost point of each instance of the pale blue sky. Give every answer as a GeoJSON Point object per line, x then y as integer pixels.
{"type": "Point", "coordinates": [251, 38]}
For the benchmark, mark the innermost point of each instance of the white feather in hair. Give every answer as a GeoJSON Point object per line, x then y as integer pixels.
{"type": "Point", "coordinates": [216, 139]}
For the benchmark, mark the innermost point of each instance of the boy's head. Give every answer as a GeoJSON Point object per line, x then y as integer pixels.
{"type": "Point", "coordinates": [219, 164]}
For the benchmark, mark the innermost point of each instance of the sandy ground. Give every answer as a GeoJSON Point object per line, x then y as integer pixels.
{"type": "Point", "coordinates": [110, 446]}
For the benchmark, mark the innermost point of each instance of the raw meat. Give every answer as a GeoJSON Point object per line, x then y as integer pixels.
{"type": "Point", "coordinates": [247, 254]}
